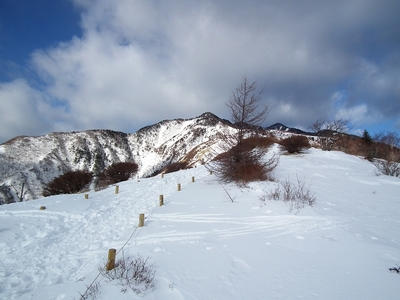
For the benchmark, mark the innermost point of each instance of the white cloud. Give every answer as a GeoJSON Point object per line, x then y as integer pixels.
{"type": "Point", "coordinates": [139, 62]}
{"type": "Point", "coordinates": [356, 114]}
{"type": "Point", "coordinates": [21, 110]}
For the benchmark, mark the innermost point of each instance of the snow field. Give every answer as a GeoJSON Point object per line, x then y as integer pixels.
{"type": "Point", "coordinates": [206, 247]}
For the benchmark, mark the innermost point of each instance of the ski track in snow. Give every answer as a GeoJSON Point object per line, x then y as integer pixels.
{"type": "Point", "coordinates": [237, 226]}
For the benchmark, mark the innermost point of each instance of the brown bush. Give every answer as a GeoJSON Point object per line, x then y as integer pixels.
{"type": "Point", "coordinates": [247, 145]}
{"type": "Point", "coordinates": [69, 183]}
{"type": "Point", "coordinates": [295, 144]}
{"type": "Point", "coordinates": [248, 172]}
{"type": "Point", "coordinates": [174, 167]}
{"type": "Point", "coordinates": [351, 145]}
{"type": "Point", "coordinates": [243, 167]}
{"type": "Point", "coordinates": [257, 141]}
{"type": "Point", "coordinates": [384, 151]}
{"type": "Point", "coordinates": [118, 172]}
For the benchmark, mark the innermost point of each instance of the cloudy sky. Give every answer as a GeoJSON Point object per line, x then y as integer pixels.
{"type": "Point", "coordinates": [89, 64]}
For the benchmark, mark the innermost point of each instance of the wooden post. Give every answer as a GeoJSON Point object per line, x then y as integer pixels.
{"type": "Point", "coordinates": [111, 259]}
{"type": "Point", "coordinates": [141, 220]}
{"type": "Point", "coordinates": [86, 196]}
{"type": "Point", "coordinates": [116, 189]}
{"type": "Point", "coordinates": [162, 175]}
{"type": "Point", "coordinates": [161, 200]}
{"type": "Point", "coordinates": [179, 187]}
{"type": "Point", "coordinates": [192, 178]}
{"type": "Point", "coordinates": [210, 172]}
{"type": "Point", "coordinates": [42, 208]}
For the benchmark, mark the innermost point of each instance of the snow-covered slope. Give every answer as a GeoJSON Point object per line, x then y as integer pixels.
{"type": "Point", "coordinates": [34, 161]}
{"type": "Point", "coordinates": [206, 247]}
{"type": "Point", "coordinates": [27, 163]}
{"type": "Point", "coordinates": [170, 141]}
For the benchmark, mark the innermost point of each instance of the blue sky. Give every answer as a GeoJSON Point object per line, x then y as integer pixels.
{"type": "Point", "coordinates": [87, 64]}
{"type": "Point", "coordinates": [29, 25]}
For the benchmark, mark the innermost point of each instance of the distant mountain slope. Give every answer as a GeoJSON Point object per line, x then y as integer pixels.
{"type": "Point", "coordinates": [281, 127]}
{"type": "Point", "coordinates": [27, 163]}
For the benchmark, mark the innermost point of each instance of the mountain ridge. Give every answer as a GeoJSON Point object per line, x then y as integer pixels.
{"type": "Point", "coordinates": [27, 163]}
{"type": "Point", "coordinates": [281, 127]}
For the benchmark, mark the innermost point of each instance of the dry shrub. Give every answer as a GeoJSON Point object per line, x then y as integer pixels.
{"type": "Point", "coordinates": [71, 182]}
{"type": "Point", "coordinates": [356, 146]}
{"type": "Point", "coordinates": [132, 272]}
{"type": "Point", "coordinates": [350, 145]}
{"type": "Point", "coordinates": [174, 167]}
{"type": "Point", "coordinates": [91, 292]}
{"type": "Point", "coordinates": [249, 172]}
{"type": "Point", "coordinates": [248, 145]}
{"type": "Point", "coordinates": [295, 144]}
{"type": "Point", "coordinates": [115, 173]}
{"type": "Point", "coordinates": [296, 195]}
{"type": "Point", "coordinates": [243, 167]}
{"type": "Point", "coordinates": [389, 166]}
{"type": "Point", "coordinates": [387, 152]}
{"type": "Point", "coordinates": [258, 142]}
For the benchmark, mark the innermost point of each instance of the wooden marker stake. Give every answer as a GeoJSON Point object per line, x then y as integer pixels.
{"type": "Point", "coordinates": [111, 259]}
{"type": "Point", "coordinates": [141, 220]}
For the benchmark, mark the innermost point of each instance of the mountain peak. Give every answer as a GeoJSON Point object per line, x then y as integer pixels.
{"type": "Point", "coordinates": [278, 126]}
{"type": "Point", "coordinates": [212, 119]}
{"type": "Point", "coordinates": [281, 127]}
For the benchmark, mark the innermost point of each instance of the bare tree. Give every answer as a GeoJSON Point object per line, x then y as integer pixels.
{"type": "Point", "coordinates": [244, 108]}
{"type": "Point", "coordinates": [337, 125]}
{"type": "Point", "coordinates": [329, 132]}
{"type": "Point", "coordinates": [318, 125]}
{"type": "Point", "coordinates": [390, 138]}
{"type": "Point", "coordinates": [242, 162]}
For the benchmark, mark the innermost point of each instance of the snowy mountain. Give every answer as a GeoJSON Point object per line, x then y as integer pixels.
{"type": "Point", "coordinates": [203, 246]}
{"type": "Point", "coordinates": [281, 127]}
{"type": "Point", "coordinates": [27, 163]}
